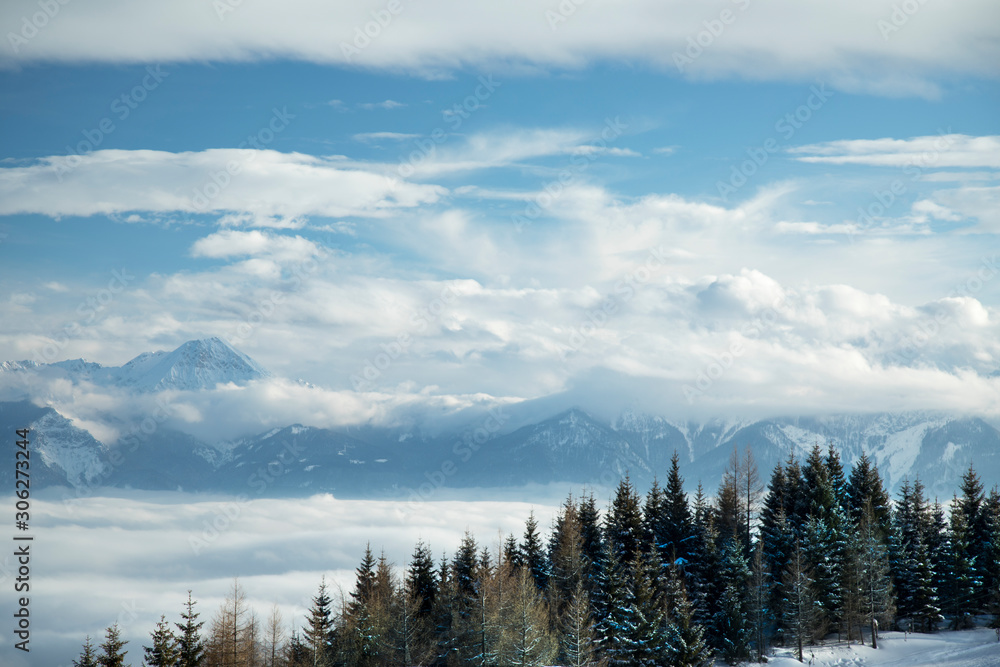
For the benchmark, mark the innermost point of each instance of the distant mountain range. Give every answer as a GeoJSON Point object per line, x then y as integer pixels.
{"type": "Point", "coordinates": [571, 447]}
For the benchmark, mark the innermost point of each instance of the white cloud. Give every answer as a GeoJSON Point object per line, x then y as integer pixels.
{"type": "Point", "coordinates": [368, 137]}
{"type": "Point", "coordinates": [230, 243]}
{"type": "Point", "coordinates": [270, 185]}
{"type": "Point", "coordinates": [386, 104]}
{"type": "Point", "coordinates": [839, 42]}
{"type": "Point", "coordinates": [928, 152]}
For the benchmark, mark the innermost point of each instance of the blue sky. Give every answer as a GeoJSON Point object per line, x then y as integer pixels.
{"type": "Point", "coordinates": [803, 218]}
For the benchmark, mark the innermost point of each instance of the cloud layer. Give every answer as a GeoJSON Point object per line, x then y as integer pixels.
{"type": "Point", "coordinates": [876, 47]}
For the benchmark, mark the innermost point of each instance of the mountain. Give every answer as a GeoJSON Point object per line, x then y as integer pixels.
{"type": "Point", "coordinates": [195, 365]}
{"type": "Point", "coordinates": [571, 448]}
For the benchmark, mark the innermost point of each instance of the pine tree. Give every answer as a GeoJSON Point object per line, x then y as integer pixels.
{"type": "Point", "coordinates": [112, 654]}
{"type": "Point", "coordinates": [163, 652]}
{"type": "Point", "coordinates": [87, 658]}
{"type": "Point", "coordinates": [190, 647]}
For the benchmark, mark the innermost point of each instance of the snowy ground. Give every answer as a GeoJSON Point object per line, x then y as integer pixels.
{"type": "Point", "coordinates": [969, 648]}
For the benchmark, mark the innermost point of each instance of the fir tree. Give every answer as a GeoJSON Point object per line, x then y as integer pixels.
{"type": "Point", "coordinates": [190, 647]}
{"type": "Point", "coordinates": [163, 652]}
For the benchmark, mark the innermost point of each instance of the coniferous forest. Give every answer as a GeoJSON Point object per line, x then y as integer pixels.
{"type": "Point", "coordinates": [817, 554]}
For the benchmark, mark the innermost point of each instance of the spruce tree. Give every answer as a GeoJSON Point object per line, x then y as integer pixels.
{"type": "Point", "coordinates": [190, 647]}
{"type": "Point", "coordinates": [163, 652]}
{"type": "Point", "coordinates": [318, 633]}
{"type": "Point", "coordinates": [731, 631]}
{"type": "Point", "coordinates": [421, 579]}
{"type": "Point", "coordinates": [87, 658]}
{"type": "Point", "coordinates": [960, 597]}
{"type": "Point", "coordinates": [678, 530]}
{"type": "Point", "coordinates": [112, 654]}
{"type": "Point", "coordinates": [533, 554]}
{"type": "Point", "coordinates": [865, 489]}
{"type": "Point", "coordinates": [623, 526]}
{"type": "Point", "coordinates": [685, 639]}
{"type": "Point", "coordinates": [876, 580]}
{"type": "Point", "coordinates": [798, 606]}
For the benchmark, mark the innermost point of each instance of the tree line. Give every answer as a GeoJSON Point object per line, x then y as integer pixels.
{"type": "Point", "coordinates": [654, 580]}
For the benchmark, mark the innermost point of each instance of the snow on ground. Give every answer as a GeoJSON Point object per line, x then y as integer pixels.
{"type": "Point", "coordinates": [968, 648]}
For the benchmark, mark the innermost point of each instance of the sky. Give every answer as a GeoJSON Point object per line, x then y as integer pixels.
{"type": "Point", "coordinates": [688, 209]}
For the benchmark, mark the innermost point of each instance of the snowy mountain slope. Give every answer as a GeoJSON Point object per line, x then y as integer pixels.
{"type": "Point", "coordinates": [197, 364]}
{"type": "Point", "coordinates": [60, 453]}
{"type": "Point", "coordinates": [571, 446]}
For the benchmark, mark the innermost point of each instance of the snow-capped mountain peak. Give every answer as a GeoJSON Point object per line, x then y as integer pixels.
{"type": "Point", "coordinates": [195, 365]}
